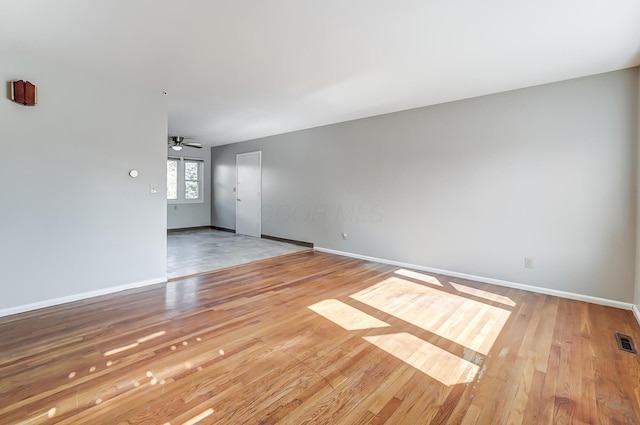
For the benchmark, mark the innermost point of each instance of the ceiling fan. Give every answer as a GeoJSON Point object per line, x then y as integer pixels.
{"type": "Point", "coordinates": [178, 142]}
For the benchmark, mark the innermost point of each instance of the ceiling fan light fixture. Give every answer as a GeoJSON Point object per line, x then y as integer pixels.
{"type": "Point", "coordinates": [176, 147]}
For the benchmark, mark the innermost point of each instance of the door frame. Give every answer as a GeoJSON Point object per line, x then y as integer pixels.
{"type": "Point", "coordinates": [260, 190]}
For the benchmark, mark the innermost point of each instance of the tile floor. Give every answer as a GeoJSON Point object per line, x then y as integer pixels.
{"type": "Point", "coordinates": [201, 250]}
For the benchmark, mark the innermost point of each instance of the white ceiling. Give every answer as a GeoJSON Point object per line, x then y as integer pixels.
{"type": "Point", "coordinates": [236, 70]}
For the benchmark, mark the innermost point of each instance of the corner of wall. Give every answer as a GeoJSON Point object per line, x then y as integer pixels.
{"type": "Point", "coordinates": [636, 312]}
{"type": "Point", "coordinates": [636, 307]}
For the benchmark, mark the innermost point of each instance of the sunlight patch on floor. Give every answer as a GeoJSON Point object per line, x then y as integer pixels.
{"type": "Point", "coordinates": [489, 296]}
{"type": "Point", "coordinates": [151, 336]}
{"type": "Point", "coordinates": [439, 364]}
{"type": "Point", "coordinates": [120, 349]}
{"type": "Point", "coordinates": [467, 322]}
{"type": "Point", "coordinates": [344, 315]}
{"type": "Point", "coordinates": [422, 277]}
{"type": "Point", "coordinates": [196, 418]}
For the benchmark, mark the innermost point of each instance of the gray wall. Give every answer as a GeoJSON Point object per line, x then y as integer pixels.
{"type": "Point", "coordinates": [71, 219]}
{"type": "Point", "coordinates": [192, 214]}
{"type": "Point", "coordinates": [472, 186]}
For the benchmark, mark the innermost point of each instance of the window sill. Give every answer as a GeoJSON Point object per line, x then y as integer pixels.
{"type": "Point", "coordinates": [183, 202]}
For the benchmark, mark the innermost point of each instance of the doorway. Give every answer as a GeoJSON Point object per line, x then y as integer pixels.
{"type": "Point", "coordinates": [249, 194]}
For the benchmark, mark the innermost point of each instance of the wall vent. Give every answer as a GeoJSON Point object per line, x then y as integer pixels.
{"type": "Point", "coordinates": [625, 343]}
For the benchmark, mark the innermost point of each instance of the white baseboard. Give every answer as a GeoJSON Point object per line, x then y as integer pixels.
{"type": "Point", "coordinates": [636, 312]}
{"type": "Point", "coordinates": [76, 297]}
{"type": "Point", "coordinates": [537, 289]}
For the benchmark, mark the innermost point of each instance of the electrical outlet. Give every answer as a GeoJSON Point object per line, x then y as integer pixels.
{"type": "Point", "coordinates": [152, 188]}
{"type": "Point", "coordinates": [528, 262]}
{"type": "Point", "coordinates": [344, 236]}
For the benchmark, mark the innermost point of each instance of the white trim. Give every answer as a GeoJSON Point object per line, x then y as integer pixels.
{"type": "Point", "coordinates": [186, 158]}
{"type": "Point", "coordinates": [636, 312]}
{"type": "Point", "coordinates": [538, 289]}
{"type": "Point", "coordinates": [77, 297]}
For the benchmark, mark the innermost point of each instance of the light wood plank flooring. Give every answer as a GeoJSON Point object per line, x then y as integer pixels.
{"type": "Point", "coordinates": [312, 338]}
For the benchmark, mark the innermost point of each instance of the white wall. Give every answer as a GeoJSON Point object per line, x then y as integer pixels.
{"type": "Point", "coordinates": [192, 214]}
{"type": "Point", "coordinates": [72, 221]}
{"type": "Point", "coordinates": [472, 186]}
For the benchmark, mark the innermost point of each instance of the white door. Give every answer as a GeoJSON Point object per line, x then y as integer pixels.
{"type": "Point", "coordinates": [248, 193]}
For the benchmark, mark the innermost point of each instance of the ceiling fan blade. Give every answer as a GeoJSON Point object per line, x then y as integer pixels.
{"type": "Point", "coordinates": [192, 145]}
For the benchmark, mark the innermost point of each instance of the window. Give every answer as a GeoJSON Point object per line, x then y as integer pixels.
{"type": "Point", "coordinates": [172, 179]}
{"type": "Point", "coordinates": [184, 180]}
{"type": "Point", "coordinates": [191, 180]}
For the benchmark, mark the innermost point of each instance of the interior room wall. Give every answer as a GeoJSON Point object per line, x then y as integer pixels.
{"type": "Point", "coordinates": [192, 214]}
{"type": "Point", "coordinates": [473, 186]}
{"type": "Point", "coordinates": [72, 220]}
{"type": "Point", "coordinates": [637, 280]}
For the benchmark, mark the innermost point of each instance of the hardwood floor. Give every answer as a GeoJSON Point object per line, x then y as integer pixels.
{"type": "Point", "coordinates": [312, 338]}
